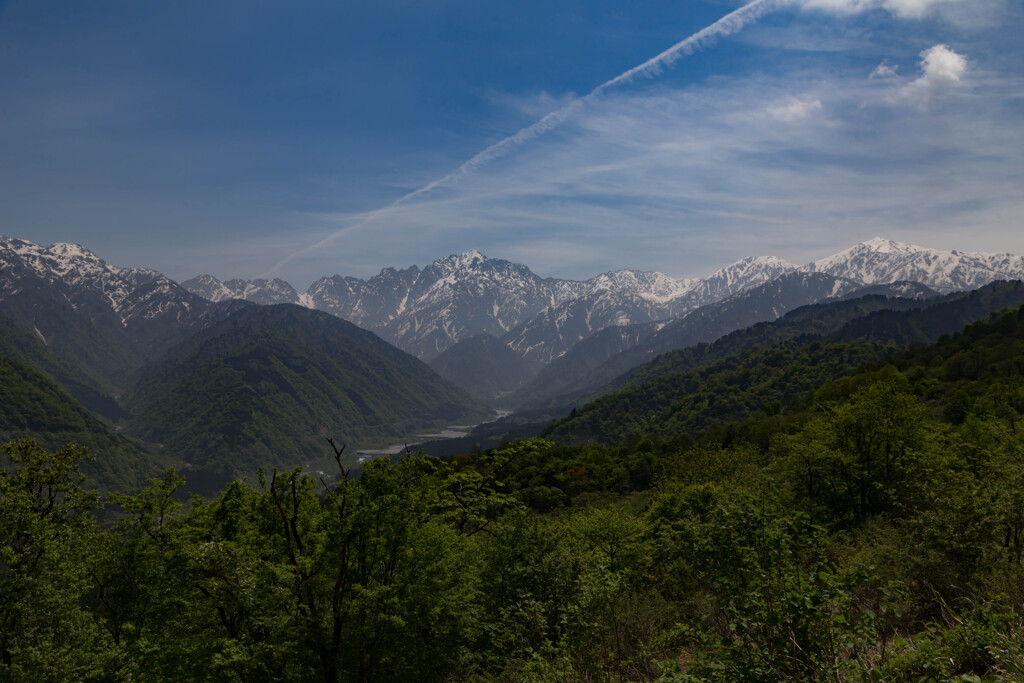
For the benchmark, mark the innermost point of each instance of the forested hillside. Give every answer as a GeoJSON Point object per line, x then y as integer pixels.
{"type": "Point", "coordinates": [32, 406]}
{"type": "Point", "coordinates": [766, 366]}
{"type": "Point", "coordinates": [87, 387]}
{"type": "Point", "coordinates": [874, 530]}
{"type": "Point", "coordinates": [268, 384]}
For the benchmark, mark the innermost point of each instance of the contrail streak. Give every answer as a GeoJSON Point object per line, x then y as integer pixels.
{"type": "Point", "coordinates": [727, 25]}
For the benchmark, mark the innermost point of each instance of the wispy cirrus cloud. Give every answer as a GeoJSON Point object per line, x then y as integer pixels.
{"type": "Point", "coordinates": [794, 108]}
{"type": "Point", "coordinates": [901, 8]}
{"type": "Point", "coordinates": [727, 25]}
{"type": "Point", "coordinates": [704, 175]}
{"type": "Point", "coordinates": [730, 164]}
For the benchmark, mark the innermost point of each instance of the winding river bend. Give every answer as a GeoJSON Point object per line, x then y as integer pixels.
{"type": "Point", "coordinates": [449, 432]}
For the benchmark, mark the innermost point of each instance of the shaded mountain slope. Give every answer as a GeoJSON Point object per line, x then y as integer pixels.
{"type": "Point", "coordinates": [33, 406]}
{"type": "Point", "coordinates": [482, 366]}
{"type": "Point", "coordinates": [691, 390]}
{"type": "Point", "coordinates": [28, 349]}
{"type": "Point", "coordinates": [599, 360]}
{"type": "Point", "coordinates": [266, 385]}
{"type": "Point", "coordinates": [104, 320]}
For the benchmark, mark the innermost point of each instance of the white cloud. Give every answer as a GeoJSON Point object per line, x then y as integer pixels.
{"type": "Point", "coordinates": [942, 65]}
{"type": "Point", "coordinates": [794, 108]}
{"type": "Point", "coordinates": [942, 70]}
{"type": "Point", "coordinates": [885, 70]}
{"type": "Point", "coordinates": [674, 178]}
{"type": "Point", "coordinates": [901, 8]}
{"type": "Point", "coordinates": [671, 179]}
{"type": "Point", "coordinates": [727, 25]}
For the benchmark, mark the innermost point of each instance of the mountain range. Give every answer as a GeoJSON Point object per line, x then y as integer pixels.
{"type": "Point", "coordinates": [218, 388]}
{"type": "Point", "coordinates": [460, 296]}
{"type": "Point", "coordinates": [428, 312]}
{"type": "Point", "coordinates": [689, 390]}
{"type": "Point", "coordinates": [225, 376]}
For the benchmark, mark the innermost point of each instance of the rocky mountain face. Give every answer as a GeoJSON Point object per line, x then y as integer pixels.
{"type": "Point", "coordinates": [835, 338]}
{"type": "Point", "coordinates": [102, 318]}
{"type": "Point", "coordinates": [457, 297]}
{"type": "Point", "coordinates": [880, 260]}
{"type": "Point", "coordinates": [264, 292]}
{"type": "Point", "coordinates": [614, 350]}
{"type": "Point", "coordinates": [137, 312]}
{"type": "Point", "coordinates": [426, 311]}
{"type": "Point", "coordinates": [220, 387]}
{"type": "Point", "coordinates": [624, 298]}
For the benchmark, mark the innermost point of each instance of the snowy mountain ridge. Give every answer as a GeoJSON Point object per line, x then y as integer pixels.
{"type": "Point", "coordinates": [881, 260]}
{"type": "Point", "coordinates": [80, 277]}
{"type": "Point", "coordinates": [425, 311]}
{"type": "Point", "coordinates": [464, 295]}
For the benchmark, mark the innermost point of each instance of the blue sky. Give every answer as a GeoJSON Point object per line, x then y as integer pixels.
{"type": "Point", "coordinates": [274, 138]}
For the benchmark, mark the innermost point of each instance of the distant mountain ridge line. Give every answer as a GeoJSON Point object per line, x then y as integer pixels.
{"type": "Point", "coordinates": [427, 311]}
{"type": "Point", "coordinates": [464, 295]}
{"type": "Point", "coordinates": [490, 327]}
{"type": "Point", "coordinates": [1001, 264]}
{"type": "Point", "coordinates": [208, 385]}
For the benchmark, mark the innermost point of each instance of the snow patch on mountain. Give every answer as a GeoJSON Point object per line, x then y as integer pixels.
{"type": "Point", "coordinates": [76, 274]}
{"type": "Point", "coordinates": [881, 260]}
{"type": "Point", "coordinates": [468, 294]}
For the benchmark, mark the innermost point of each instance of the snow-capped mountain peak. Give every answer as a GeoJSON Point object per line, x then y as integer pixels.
{"type": "Point", "coordinates": [49, 288]}
{"type": "Point", "coordinates": [464, 295]}
{"type": "Point", "coordinates": [884, 245]}
{"type": "Point", "coordinates": [76, 272]}
{"type": "Point", "coordinates": [737, 277]}
{"type": "Point", "coordinates": [467, 260]}
{"type": "Point", "coordinates": [258, 291]}
{"type": "Point", "coordinates": [649, 285]}
{"type": "Point", "coordinates": [881, 260]}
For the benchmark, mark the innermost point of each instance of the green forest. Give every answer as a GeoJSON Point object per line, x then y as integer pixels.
{"type": "Point", "coordinates": [839, 511]}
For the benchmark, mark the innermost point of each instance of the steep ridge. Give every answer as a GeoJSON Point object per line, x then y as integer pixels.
{"type": "Point", "coordinates": [106, 320]}
{"type": "Point", "coordinates": [613, 351]}
{"type": "Point", "coordinates": [693, 389]}
{"type": "Point", "coordinates": [464, 295]}
{"type": "Point", "coordinates": [265, 386]}
{"type": "Point", "coordinates": [873, 318]}
{"type": "Point", "coordinates": [881, 260]}
{"type": "Point", "coordinates": [28, 349]}
{"type": "Point", "coordinates": [559, 328]}
{"type": "Point", "coordinates": [33, 406]}
{"type": "Point", "coordinates": [460, 296]}
{"type": "Point", "coordinates": [264, 292]}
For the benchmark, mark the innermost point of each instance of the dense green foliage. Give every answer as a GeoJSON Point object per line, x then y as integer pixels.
{"type": "Point", "coordinates": [585, 373]}
{"type": "Point", "coordinates": [260, 387]}
{"type": "Point", "coordinates": [766, 366]}
{"type": "Point", "coordinates": [874, 543]}
{"type": "Point", "coordinates": [726, 391]}
{"type": "Point", "coordinates": [88, 388]}
{"type": "Point", "coordinates": [900, 322]}
{"type": "Point", "coordinates": [33, 406]}
{"type": "Point", "coordinates": [265, 387]}
{"type": "Point", "coordinates": [873, 531]}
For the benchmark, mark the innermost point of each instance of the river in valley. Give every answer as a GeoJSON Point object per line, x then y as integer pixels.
{"type": "Point", "coordinates": [449, 432]}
